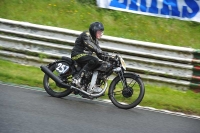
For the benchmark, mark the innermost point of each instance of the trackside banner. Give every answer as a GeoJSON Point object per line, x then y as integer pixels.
{"type": "Point", "coordinates": [180, 9]}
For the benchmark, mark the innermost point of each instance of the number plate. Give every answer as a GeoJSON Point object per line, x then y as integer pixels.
{"type": "Point", "coordinates": [62, 68]}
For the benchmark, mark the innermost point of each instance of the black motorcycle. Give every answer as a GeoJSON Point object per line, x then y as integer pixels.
{"type": "Point", "coordinates": [126, 90]}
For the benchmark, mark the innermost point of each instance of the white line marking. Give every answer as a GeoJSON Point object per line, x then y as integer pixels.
{"type": "Point", "coordinates": [108, 101]}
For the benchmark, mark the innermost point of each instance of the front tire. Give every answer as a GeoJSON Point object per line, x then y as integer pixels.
{"type": "Point", "coordinates": [129, 96]}
{"type": "Point", "coordinates": [51, 87]}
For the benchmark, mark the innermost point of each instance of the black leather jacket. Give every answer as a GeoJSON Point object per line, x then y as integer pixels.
{"type": "Point", "coordinates": [84, 44]}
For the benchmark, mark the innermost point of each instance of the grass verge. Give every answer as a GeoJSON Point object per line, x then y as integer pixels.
{"type": "Point", "coordinates": [78, 14]}
{"type": "Point", "coordinates": [160, 97]}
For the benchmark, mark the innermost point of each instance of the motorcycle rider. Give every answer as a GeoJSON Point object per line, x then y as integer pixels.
{"type": "Point", "coordinates": [85, 44]}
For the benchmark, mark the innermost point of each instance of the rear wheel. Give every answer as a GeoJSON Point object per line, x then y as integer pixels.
{"type": "Point", "coordinates": [52, 88]}
{"type": "Point", "coordinates": [127, 94]}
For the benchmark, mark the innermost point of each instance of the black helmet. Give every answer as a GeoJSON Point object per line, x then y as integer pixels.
{"type": "Point", "coordinates": [94, 27]}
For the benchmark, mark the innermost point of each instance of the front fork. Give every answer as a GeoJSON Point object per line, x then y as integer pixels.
{"type": "Point", "coordinates": [121, 76]}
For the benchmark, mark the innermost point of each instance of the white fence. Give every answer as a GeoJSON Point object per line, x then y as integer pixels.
{"type": "Point", "coordinates": [34, 44]}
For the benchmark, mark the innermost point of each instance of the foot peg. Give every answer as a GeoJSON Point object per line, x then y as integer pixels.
{"type": "Point", "coordinates": [77, 82]}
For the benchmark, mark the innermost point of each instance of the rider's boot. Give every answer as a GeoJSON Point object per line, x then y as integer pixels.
{"type": "Point", "coordinates": [97, 88]}
{"type": "Point", "coordinates": [77, 78]}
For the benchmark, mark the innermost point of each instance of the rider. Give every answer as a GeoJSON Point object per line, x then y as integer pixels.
{"type": "Point", "coordinates": [85, 45]}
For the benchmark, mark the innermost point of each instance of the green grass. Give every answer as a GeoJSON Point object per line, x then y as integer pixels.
{"type": "Point", "coordinates": [78, 14]}
{"type": "Point", "coordinates": [20, 74]}
{"type": "Point", "coordinates": [160, 97]}
{"type": "Point", "coordinates": [163, 97]}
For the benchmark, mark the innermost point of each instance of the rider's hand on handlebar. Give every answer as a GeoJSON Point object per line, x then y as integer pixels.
{"type": "Point", "coordinates": [105, 56]}
{"type": "Point", "coordinates": [112, 58]}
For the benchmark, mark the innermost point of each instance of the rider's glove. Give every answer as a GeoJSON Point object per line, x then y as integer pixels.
{"type": "Point", "coordinates": [98, 51]}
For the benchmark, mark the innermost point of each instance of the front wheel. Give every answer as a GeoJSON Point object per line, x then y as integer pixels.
{"type": "Point", "coordinates": [128, 93]}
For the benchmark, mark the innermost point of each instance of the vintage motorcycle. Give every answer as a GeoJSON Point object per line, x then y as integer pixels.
{"type": "Point", "coordinates": [126, 90]}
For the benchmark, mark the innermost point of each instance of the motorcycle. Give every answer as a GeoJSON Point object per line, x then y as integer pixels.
{"type": "Point", "coordinates": [126, 89]}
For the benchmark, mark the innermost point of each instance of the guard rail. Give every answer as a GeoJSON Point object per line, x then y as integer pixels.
{"type": "Point", "coordinates": [34, 44]}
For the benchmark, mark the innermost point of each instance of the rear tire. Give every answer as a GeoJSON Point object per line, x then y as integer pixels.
{"type": "Point", "coordinates": [52, 89]}
{"type": "Point", "coordinates": [130, 96]}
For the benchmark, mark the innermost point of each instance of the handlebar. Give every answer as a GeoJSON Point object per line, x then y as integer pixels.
{"type": "Point", "coordinates": [105, 56]}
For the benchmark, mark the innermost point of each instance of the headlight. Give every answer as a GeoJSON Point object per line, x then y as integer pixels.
{"type": "Point", "coordinates": [123, 63]}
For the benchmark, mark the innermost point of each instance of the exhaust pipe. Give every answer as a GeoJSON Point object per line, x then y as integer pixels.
{"type": "Point", "coordinates": [53, 77]}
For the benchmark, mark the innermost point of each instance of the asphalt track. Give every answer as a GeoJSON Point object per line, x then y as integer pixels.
{"type": "Point", "coordinates": [29, 110]}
